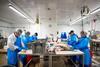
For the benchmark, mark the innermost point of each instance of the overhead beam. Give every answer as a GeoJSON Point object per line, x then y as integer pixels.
{"type": "Point", "coordinates": [5, 20]}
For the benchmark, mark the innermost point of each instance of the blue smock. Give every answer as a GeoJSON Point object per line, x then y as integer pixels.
{"type": "Point", "coordinates": [82, 45]}
{"type": "Point", "coordinates": [12, 55]}
{"type": "Point", "coordinates": [25, 39]}
{"type": "Point", "coordinates": [63, 35]}
{"type": "Point", "coordinates": [72, 40]}
{"type": "Point", "coordinates": [33, 38]}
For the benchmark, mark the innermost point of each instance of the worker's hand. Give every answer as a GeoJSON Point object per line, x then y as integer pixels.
{"type": "Point", "coordinates": [13, 48]}
{"type": "Point", "coordinates": [23, 50]}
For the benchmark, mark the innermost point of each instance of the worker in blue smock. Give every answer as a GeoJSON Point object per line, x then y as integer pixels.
{"type": "Point", "coordinates": [82, 45]}
{"type": "Point", "coordinates": [25, 40]}
{"type": "Point", "coordinates": [34, 37]}
{"type": "Point", "coordinates": [63, 36]}
{"type": "Point", "coordinates": [72, 39]}
{"type": "Point", "coordinates": [23, 34]}
{"type": "Point", "coordinates": [14, 46]}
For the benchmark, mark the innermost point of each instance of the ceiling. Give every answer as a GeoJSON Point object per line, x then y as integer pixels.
{"type": "Point", "coordinates": [60, 11]}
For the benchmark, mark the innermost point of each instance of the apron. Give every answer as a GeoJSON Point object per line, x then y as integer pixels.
{"type": "Point", "coordinates": [12, 54]}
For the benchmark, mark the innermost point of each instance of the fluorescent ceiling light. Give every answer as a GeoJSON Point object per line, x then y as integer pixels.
{"type": "Point", "coordinates": [29, 20]}
{"type": "Point", "coordinates": [15, 10]}
{"type": "Point", "coordinates": [80, 19]}
{"type": "Point", "coordinates": [95, 11]}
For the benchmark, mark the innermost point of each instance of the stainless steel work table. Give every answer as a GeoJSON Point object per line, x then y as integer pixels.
{"type": "Point", "coordinates": [59, 53]}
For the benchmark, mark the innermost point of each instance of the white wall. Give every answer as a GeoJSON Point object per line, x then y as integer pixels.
{"type": "Point", "coordinates": [49, 28]}
{"type": "Point", "coordinates": [45, 28]}
{"type": "Point", "coordinates": [4, 29]}
{"type": "Point", "coordinates": [98, 25]}
{"type": "Point", "coordinates": [88, 27]}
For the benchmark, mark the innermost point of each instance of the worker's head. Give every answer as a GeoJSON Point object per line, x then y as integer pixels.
{"type": "Point", "coordinates": [83, 34]}
{"type": "Point", "coordinates": [57, 32]}
{"type": "Point", "coordinates": [71, 32]}
{"type": "Point", "coordinates": [36, 34]}
{"type": "Point", "coordinates": [24, 31]}
{"type": "Point", "coordinates": [18, 32]}
{"type": "Point", "coordinates": [27, 33]}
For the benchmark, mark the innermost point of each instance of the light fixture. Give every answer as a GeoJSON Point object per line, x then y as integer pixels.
{"type": "Point", "coordinates": [18, 12]}
{"type": "Point", "coordinates": [95, 11]}
{"type": "Point", "coordinates": [29, 20]}
{"type": "Point", "coordinates": [80, 19]}
{"type": "Point", "coordinates": [15, 10]}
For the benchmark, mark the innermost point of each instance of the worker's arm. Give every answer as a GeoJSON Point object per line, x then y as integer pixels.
{"type": "Point", "coordinates": [24, 47]}
{"type": "Point", "coordinates": [83, 44]}
{"type": "Point", "coordinates": [73, 40]}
